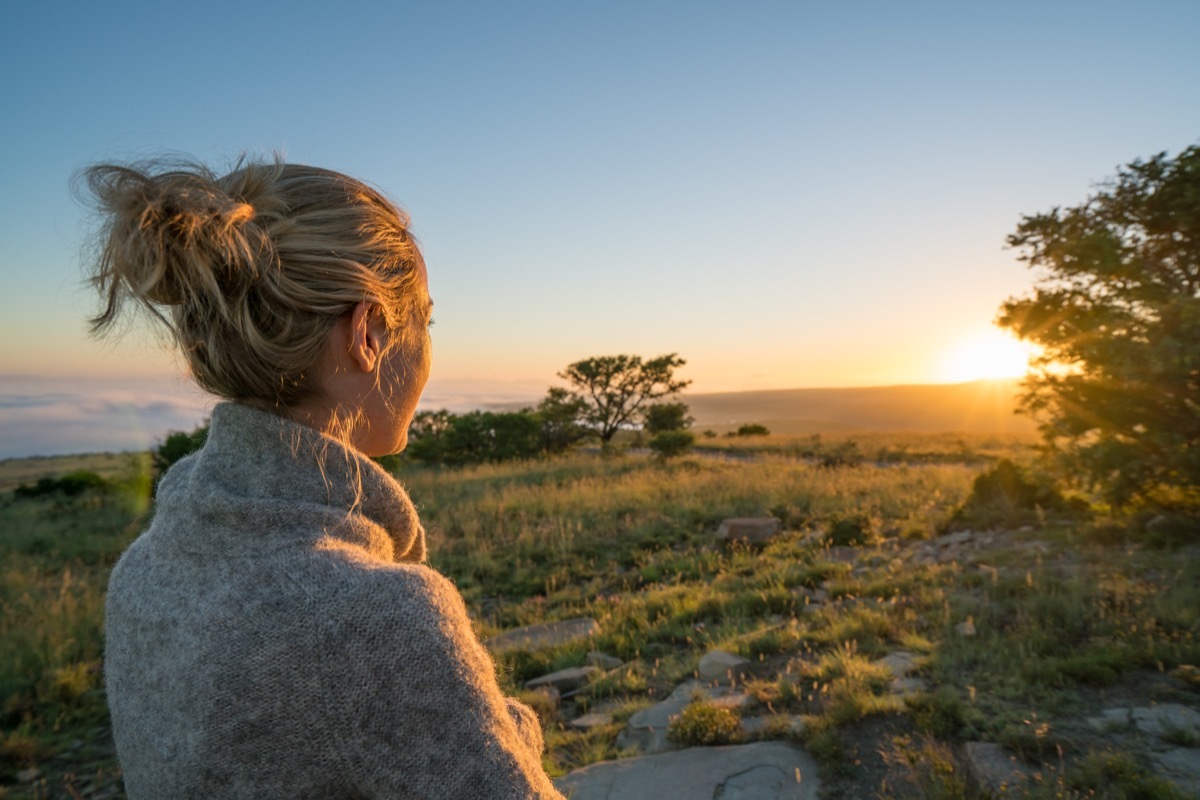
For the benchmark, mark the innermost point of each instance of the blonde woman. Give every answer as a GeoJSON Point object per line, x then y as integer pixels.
{"type": "Point", "coordinates": [275, 632]}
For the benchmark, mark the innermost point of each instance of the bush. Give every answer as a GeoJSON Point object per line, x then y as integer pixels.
{"type": "Point", "coordinates": [844, 454]}
{"type": "Point", "coordinates": [672, 443]}
{"type": "Point", "coordinates": [703, 723]}
{"type": "Point", "coordinates": [72, 484]}
{"type": "Point", "coordinates": [752, 429]}
{"type": "Point", "coordinates": [177, 445]}
{"type": "Point", "coordinates": [663, 417]}
{"type": "Point", "coordinates": [1010, 496]}
{"type": "Point", "coordinates": [851, 531]}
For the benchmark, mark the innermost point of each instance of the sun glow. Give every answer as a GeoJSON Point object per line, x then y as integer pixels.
{"type": "Point", "coordinates": [986, 353]}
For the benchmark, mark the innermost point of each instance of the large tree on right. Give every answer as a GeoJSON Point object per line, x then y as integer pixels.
{"type": "Point", "coordinates": [1116, 309]}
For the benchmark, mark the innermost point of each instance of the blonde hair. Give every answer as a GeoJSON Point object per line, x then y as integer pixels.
{"type": "Point", "coordinates": [249, 271]}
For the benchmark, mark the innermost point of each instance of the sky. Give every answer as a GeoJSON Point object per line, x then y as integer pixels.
{"type": "Point", "coordinates": [787, 194]}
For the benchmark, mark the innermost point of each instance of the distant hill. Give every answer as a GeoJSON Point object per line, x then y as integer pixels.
{"type": "Point", "coordinates": [977, 407]}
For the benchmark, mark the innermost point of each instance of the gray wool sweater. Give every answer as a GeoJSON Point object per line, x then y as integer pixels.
{"type": "Point", "coordinates": [274, 634]}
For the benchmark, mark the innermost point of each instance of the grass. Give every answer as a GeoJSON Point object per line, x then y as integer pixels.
{"type": "Point", "coordinates": [1059, 618]}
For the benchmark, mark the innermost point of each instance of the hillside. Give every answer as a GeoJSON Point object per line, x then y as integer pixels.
{"type": "Point", "coordinates": [977, 406]}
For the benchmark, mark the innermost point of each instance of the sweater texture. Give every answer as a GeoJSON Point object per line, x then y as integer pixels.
{"type": "Point", "coordinates": [274, 634]}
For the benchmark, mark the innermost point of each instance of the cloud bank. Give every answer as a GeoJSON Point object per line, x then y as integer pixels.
{"type": "Point", "coordinates": [61, 416]}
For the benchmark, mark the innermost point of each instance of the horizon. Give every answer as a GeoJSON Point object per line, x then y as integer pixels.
{"type": "Point", "coordinates": [67, 415]}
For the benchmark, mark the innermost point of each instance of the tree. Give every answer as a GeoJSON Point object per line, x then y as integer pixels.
{"type": "Point", "coordinates": [1116, 308]}
{"type": "Point", "coordinates": [664, 417]}
{"type": "Point", "coordinates": [615, 388]}
{"type": "Point", "coordinates": [559, 413]}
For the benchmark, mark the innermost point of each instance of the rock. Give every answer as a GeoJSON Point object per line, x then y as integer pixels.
{"type": "Point", "coordinates": [900, 663]}
{"type": "Point", "coordinates": [591, 721]}
{"type": "Point", "coordinates": [759, 771]}
{"type": "Point", "coordinates": [1111, 719]}
{"type": "Point", "coordinates": [603, 660]}
{"type": "Point", "coordinates": [966, 628]}
{"type": "Point", "coordinates": [647, 729]}
{"type": "Point", "coordinates": [717, 666]}
{"type": "Point", "coordinates": [750, 530]}
{"type": "Point", "coordinates": [564, 680]}
{"type": "Point", "coordinates": [954, 539]}
{"type": "Point", "coordinates": [994, 769]}
{"type": "Point", "coordinates": [1166, 719]}
{"type": "Point", "coordinates": [1181, 766]}
{"type": "Point", "coordinates": [733, 701]}
{"type": "Point", "coordinates": [28, 775]}
{"type": "Point", "coordinates": [548, 634]}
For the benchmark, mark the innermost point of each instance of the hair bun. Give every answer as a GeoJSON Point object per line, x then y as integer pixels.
{"type": "Point", "coordinates": [174, 237]}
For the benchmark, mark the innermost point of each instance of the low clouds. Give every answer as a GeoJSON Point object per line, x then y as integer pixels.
{"type": "Point", "coordinates": [60, 416]}
{"type": "Point", "coordinates": [56, 416]}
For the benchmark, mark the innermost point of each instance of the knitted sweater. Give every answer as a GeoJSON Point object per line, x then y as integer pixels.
{"type": "Point", "coordinates": [273, 634]}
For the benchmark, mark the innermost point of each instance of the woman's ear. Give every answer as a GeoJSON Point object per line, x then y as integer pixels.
{"type": "Point", "coordinates": [366, 345]}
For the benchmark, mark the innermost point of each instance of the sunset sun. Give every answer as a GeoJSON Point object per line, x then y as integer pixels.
{"type": "Point", "coordinates": [987, 353]}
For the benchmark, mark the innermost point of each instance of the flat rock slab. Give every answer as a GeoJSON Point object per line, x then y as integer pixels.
{"type": "Point", "coordinates": [564, 680]}
{"type": "Point", "coordinates": [900, 663]}
{"type": "Point", "coordinates": [721, 667]}
{"type": "Point", "coordinates": [547, 634]}
{"type": "Point", "coordinates": [1181, 766]}
{"type": "Point", "coordinates": [759, 771]}
{"type": "Point", "coordinates": [1168, 718]}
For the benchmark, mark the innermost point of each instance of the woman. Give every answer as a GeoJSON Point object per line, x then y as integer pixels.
{"type": "Point", "coordinates": [275, 633]}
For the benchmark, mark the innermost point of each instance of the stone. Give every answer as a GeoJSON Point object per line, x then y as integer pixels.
{"type": "Point", "coordinates": [721, 667]}
{"type": "Point", "coordinates": [28, 775]}
{"type": "Point", "coordinates": [1181, 766]}
{"type": "Point", "coordinates": [564, 680]}
{"type": "Point", "coordinates": [1163, 720]}
{"type": "Point", "coordinates": [901, 663]}
{"type": "Point", "coordinates": [647, 729]}
{"type": "Point", "coordinates": [592, 720]}
{"type": "Point", "coordinates": [545, 635]}
{"type": "Point", "coordinates": [750, 530]}
{"type": "Point", "coordinates": [603, 660]}
{"type": "Point", "coordinates": [994, 769]}
{"type": "Point", "coordinates": [759, 771]}
{"type": "Point", "coordinates": [734, 701]}
{"type": "Point", "coordinates": [1111, 719]}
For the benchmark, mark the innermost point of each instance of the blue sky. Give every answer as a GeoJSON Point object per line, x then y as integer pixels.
{"type": "Point", "coordinates": [787, 194]}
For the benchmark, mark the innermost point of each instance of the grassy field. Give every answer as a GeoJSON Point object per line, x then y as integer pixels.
{"type": "Point", "coordinates": [1066, 616]}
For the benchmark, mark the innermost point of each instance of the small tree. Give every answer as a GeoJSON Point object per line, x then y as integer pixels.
{"type": "Point", "coordinates": [558, 415]}
{"type": "Point", "coordinates": [662, 417]}
{"type": "Point", "coordinates": [1116, 308]}
{"type": "Point", "coordinates": [615, 388]}
{"type": "Point", "coordinates": [176, 445]}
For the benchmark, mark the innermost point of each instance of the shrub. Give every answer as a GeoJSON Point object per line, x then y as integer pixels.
{"type": "Point", "coordinates": [177, 445]}
{"type": "Point", "coordinates": [703, 723]}
{"type": "Point", "coordinates": [663, 417]}
{"type": "Point", "coordinates": [72, 484]}
{"type": "Point", "coordinates": [1008, 495]}
{"type": "Point", "coordinates": [753, 429]}
{"type": "Point", "coordinates": [672, 443]}
{"type": "Point", "coordinates": [853, 531]}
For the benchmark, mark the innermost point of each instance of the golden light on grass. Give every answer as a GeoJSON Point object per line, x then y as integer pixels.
{"type": "Point", "coordinates": [984, 353]}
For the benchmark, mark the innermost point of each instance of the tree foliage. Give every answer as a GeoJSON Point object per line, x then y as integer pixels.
{"type": "Point", "coordinates": [1116, 308]}
{"type": "Point", "coordinates": [665, 417]}
{"type": "Point", "coordinates": [615, 388]}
